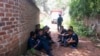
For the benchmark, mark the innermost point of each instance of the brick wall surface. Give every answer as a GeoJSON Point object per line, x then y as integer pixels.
{"type": "Point", "coordinates": [17, 19]}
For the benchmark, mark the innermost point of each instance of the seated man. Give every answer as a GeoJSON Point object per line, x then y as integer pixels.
{"type": "Point", "coordinates": [62, 35]}
{"type": "Point", "coordinates": [70, 27]}
{"type": "Point", "coordinates": [44, 42]}
{"type": "Point", "coordinates": [33, 42]}
{"type": "Point", "coordinates": [47, 34]}
{"type": "Point", "coordinates": [72, 39]}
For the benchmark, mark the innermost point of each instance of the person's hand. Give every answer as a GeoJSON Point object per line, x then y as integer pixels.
{"type": "Point", "coordinates": [59, 34]}
{"type": "Point", "coordinates": [63, 34]}
{"type": "Point", "coordinates": [37, 44]}
{"type": "Point", "coordinates": [66, 34]}
{"type": "Point", "coordinates": [71, 41]}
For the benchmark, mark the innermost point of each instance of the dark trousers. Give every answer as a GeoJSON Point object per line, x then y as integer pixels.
{"type": "Point", "coordinates": [59, 26]}
{"type": "Point", "coordinates": [61, 38]}
{"type": "Point", "coordinates": [74, 44]}
{"type": "Point", "coordinates": [39, 47]}
{"type": "Point", "coordinates": [46, 47]}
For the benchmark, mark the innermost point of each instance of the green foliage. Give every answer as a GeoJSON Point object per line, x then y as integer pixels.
{"type": "Point", "coordinates": [80, 29]}
{"type": "Point", "coordinates": [80, 9]}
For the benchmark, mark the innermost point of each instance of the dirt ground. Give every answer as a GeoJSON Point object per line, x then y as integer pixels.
{"type": "Point", "coordinates": [85, 48]}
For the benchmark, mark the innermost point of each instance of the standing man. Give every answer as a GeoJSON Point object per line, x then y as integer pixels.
{"type": "Point", "coordinates": [59, 22]}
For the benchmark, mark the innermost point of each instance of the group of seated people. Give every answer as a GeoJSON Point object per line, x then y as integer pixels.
{"type": "Point", "coordinates": [68, 37]}
{"type": "Point", "coordinates": [40, 39]}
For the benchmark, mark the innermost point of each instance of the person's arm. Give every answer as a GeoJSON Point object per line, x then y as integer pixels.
{"type": "Point", "coordinates": [36, 44]}
{"type": "Point", "coordinates": [66, 34]}
{"type": "Point", "coordinates": [31, 43]}
{"type": "Point", "coordinates": [74, 38]}
{"type": "Point", "coordinates": [71, 40]}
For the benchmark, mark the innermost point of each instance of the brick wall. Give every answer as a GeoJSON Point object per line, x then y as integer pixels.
{"type": "Point", "coordinates": [17, 19]}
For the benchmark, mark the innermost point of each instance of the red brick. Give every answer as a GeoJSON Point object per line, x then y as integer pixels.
{"type": "Point", "coordinates": [17, 18]}
{"type": "Point", "coordinates": [1, 4]}
{"type": "Point", "coordinates": [16, 3]}
{"type": "Point", "coordinates": [13, 26]}
{"type": "Point", "coordinates": [1, 46]}
{"type": "Point", "coordinates": [6, 36]}
{"type": "Point", "coordinates": [12, 19]}
{"type": "Point", "coordinates": [11, 2]}
{"type": "Point", "coordinates": [1, 0]}
{"type": "Point", "coordinates": [9, 39]}
{"type": "Point", "coordinates": [2, 24]}
{"type": "Point", "coordinates": [11, 10]}
{"type": "Point", "coordinates": [6, 10]}
{"type": "Point", "coordinates": [15, 22]}
{"type": "Point", "coordinates": [3, 41]}
{"type": "Point", "coordinates": [9, 23]}
{"type": "Point", "coordinates": [3, 50]}
{"type": "Point", "coordinates": [5, 19]}
{"type": "Point", "coordinates": [6, 28]}
{"type": "Point", "coordinates": [9, 14]}
{"type": "Point", "coordinates": [9, 53]}
{"type": "Point", "coordinates": [8, 6]}
{"type": "Point", "coordinates": [15, 14]}
{"type": "Point", "coordinates": [2, 33]}
{"type": "Point", "coordinates": [1, 38]}
{"type": "Point", "coordinates": [1, 14]}
{"type": "Point", "coordinates": [2, 54]}
{"type": "Point", "coordinates": [10, 31]}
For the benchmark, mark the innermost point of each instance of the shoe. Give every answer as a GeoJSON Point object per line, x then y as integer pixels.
{"type": "Point", "coordinates": [73, 47]}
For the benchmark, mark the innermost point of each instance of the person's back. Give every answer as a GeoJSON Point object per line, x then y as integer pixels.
{"type": "Point", "coordinates": [59, 22]}
{"type": "Point", "coordinates": [60, 19]}
{"type": "Point", "coordinates": [47, 33]}
{"type": "Point", "coordinates": [75, 38]}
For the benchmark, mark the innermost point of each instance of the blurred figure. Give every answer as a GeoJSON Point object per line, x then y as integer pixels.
{"type": "Point", "coordinates": [59, 22]}
{"type": "Point", "coordinates": [44, 42]}
{"type": "Point", "coordinates": [37, 28]}
{"type": "Point", "coordinates": [72, 39]}
{"type": "Point", "coordinates": [62, 35]}
{"type": "Point", "coordinates": [70, 27]}
{"type": "Point", "coordinates": [47, 34]}
{"type": "Point", "coordinates": [33, 42]}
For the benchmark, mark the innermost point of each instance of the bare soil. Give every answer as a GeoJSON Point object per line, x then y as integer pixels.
{"type": "Point", "coordinates": [85, 48]}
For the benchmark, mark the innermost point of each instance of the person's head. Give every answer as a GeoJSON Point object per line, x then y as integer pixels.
{"type": "Point", "coordinates": [70, 32]}
{"type": "Point", "coordinates": [32, 34]}
{"type": "Point", "coordinates": [41, 32]}
{"type": "Point", "coordinates": [70, 27]}
{"type": "Point", "coordinates": [62, 27]}
{"type": "Point", "coordinates": [37, 26]}
{"type": "Point", "coordinates": [59, 15]}
{"type": "Point", "coordinates": [46, 29]}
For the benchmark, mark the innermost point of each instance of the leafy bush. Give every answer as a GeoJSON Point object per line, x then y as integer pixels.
{"type": "Point", "coordinates": [80, 9]}
{"type": "Point", "coordinates": [80, 29]}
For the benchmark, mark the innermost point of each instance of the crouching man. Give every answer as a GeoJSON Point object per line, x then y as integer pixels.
{"type": "Point", "coordinates": [72, 39]}
{"type": "Point", "coordinates": [34, 44]}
